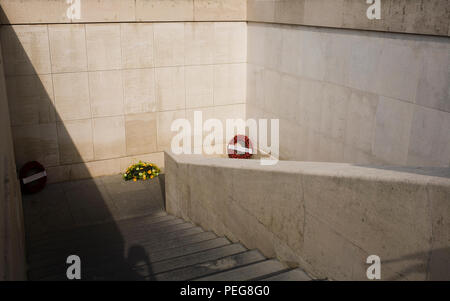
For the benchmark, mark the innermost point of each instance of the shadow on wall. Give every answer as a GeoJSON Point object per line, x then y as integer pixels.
{"type": "Point", "coordinates": [438, 262]}
{"type": "Point", "coordinates": [52, 211]}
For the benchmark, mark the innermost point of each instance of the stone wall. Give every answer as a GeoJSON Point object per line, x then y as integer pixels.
{"type": "Point", "coordinates": [325, 217]}
{"type": "Point", "coordinates": [54, 11]}
{"type": "Point", "coordinates": [12, 242]}
{"type": "Point", "coordinates": [352, 96]}
{"type": "Point", "coordinates": [89, 99]}
{"type": "Point", "coordinates": [431, 17]}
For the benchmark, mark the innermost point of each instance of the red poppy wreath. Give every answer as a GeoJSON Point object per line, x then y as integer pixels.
{"type": "Point", "coordinates": [240, 147]}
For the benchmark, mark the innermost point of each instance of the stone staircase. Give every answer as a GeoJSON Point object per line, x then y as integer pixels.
{"type": "Point", "coordinates": [151, 246]}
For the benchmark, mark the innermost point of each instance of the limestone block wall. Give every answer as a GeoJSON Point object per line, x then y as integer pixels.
{"type": "Point", "coordinates": [430, 17]}
{"type": "Point", "coordinates": [325, 217]}
{"type": "Point", "coordinates": [91, 98]}
{"type": "Point", "coordinates": [352, 96]}
{"type": "Point", "coordinates": [92, 11]}
{"type": "Point", "coordinates": [12, 239]}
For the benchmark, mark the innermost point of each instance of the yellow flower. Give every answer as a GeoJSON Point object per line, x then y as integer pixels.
{"type": "Point", "coordinates": [150, 164]}
{"type": "Point", "coordinates": [149, 172]}
{"type": "Point", "coordinates": [151, 177]}
{"type": "Point", "coordinates": [134, 179]}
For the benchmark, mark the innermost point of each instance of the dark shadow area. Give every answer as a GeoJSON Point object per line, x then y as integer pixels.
{"type": "Point", "coordinates": [95, 219]}
{"type": "Point", "coordinates": [437, 263]}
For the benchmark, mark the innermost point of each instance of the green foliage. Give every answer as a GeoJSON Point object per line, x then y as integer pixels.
{"type": "Point", "coordinates": [141, 171]}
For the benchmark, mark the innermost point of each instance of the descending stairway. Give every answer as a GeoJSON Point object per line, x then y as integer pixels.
{"type": "Point", "coordinates": [154, 246]}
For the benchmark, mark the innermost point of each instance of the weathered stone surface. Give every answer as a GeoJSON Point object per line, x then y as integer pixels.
{"type": "Point", "coordinates": [325, 217]}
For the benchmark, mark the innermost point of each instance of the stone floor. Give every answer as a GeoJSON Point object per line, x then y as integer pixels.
{"type": "Point", "coordinates": [121, 231]}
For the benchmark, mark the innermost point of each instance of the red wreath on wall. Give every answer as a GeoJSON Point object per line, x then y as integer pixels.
{"type": "Point", "coordinates": [240, 147]}
{"type": "Point", "coordinates": [32, 177]}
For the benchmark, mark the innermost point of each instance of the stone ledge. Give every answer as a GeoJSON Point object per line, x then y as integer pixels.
{"type": "Point", "coordinates": [325, 217]}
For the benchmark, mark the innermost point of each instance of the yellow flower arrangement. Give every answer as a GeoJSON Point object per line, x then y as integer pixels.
{"type": "Point", "coordinates": [141, 171]}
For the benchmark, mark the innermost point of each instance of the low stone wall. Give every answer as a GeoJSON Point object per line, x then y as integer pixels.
{"type": "Point", "coordinates": [325, 217]}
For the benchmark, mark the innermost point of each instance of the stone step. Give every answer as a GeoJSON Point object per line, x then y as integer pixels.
{"type": "Point", "coordinates": [249, 272]}
{"type": "Point", "coordinates": [211, 267]}
{"type": "Point", "coordinates": [91, 261]}
{"type": "Point", "coordinates": [141, 269]}
{"type": "Point", "coordinates": [292, 275]}
{"type": "Point", "coordinates": [155, 250]}
{"type": "Point", "coordinates": [165, 233]}
{"type": "Point", "coordinates": [125, 226]}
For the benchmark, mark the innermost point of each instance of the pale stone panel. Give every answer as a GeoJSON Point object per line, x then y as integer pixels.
{"type": "Point", "coordinates": [36, 142]}
{"type": "Point", "coordinates": [271, 101]}
{"type": "Point", "coordinates": [165, 134]}
{"type": "Point", "coordinates": [72, 96]}
{"type": "Point", "coordinates": [35, 11]}
{"type": "Point", "coordinates": [374, 213]}
{"type": "Point", "coordinates": [230, 84]}
{"type": "Point", "coordinates": [139, 90]}
{"type": "Point", "coordinates": [264, 45]}
{"type": "Point", "coordinates": [30, 99]}
{"type": "Point", "coordinates": [230, 42]}
{"type": "Point", "coordinates": [361, 113]}
{"type": "Point", "coordinates": [170, 88]}
{"type": "Point", "coordinates": [206, 113]}
{"type": "Point", "coordinates": [137, 45]}
{"type": "Point", "coordinates": [67, 47]}
{"type": "Point", "coordinates": [255, 85]}
{"type": "Point", "coordinates": [338, 57]}
{"type": "Point", "coordinates": [164, 10]}
{"type": "Point", "coordinates": [94, 169]}
{"type": "Point", "coordinates": [75, 141]}
{"type": "Point", "coordinates": [398, 69]}
{"type": "Point", "coordinates": [169, 44]}
{"type": "Point", "coordinates": [327, 13]}
{"type": "Point", "coordinates": [289, 11]}
{"type": "Point", "coordinates": [106, 93]}
{"type": "Point", "coordinates": [261, 11]}
{"type": "Point", "coordinates": [109, 137]}
{"type": "Point", "coordinates": [199, 42]}
{"type": "Point", "coordinates": [272, 47]}
{"type": "Point", "coordinates": [335, 106]}
{"type": "Point", "coordinates": [232, 112]}
{"type": "Point", "coordinates": [199, 86]}
{"type": "Point", "coordinates": [322, 246]}
{"type": "Point", "coordinates": [364, 61]}
{"type": "Point", "coordinates": [291, 50]}
{"type": "Point", "coordinates": [107, 11]}
{"type": "Point", "coordinates": [430, 138]}
{"type": "Point", "coordinates": [311, 96]}
{"type": "Point", "coordinates": [141, 133]}
{"type": "Point", "coordinates": [315, 44]}
{"type": "Point", "coordinates": [255, 44]}
{"type": "Point", "coordinates": [289, 97]}
{"type": "Point", "coordinates": [220, 10]}
{"type": "Point", "coordinates": [25, 49]}
{"type": "Point", "coordinates": [156, 158]}
{"type": "Point", "coordinates": [103, 46]}
{"type": "Point", "coordinates": [433, 89]}
{"type": "Point", "coordinates": [392, 130]}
